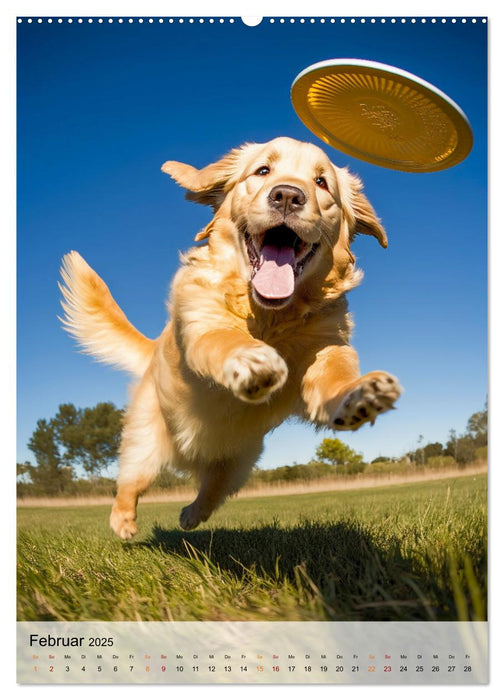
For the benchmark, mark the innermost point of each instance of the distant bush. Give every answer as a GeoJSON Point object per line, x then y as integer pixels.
{"type": "Point", "coordinates": [387, 467]}
{"type": "Point", "coordinates": [96, 486]}
{"type": "Point", "coordinates": [352, 468]}
{"type": "Point", "coordinates": [441, 462]}
{"type": "Point", "coordinates": [298, 472]}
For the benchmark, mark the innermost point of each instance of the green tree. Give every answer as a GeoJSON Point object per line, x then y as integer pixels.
{"type": "Point", "coordinates": [433, 449]}
{"type": "Point", "coordinates": [451, 448]}
{"type": "Point", "coordinates": [75, 437]}
{"type": "Point", "coordinates": [477, 428]}
{"type": "Point", "coordinates": [466, 450]}
{"type": "Point", "coordinates": [49, 476]}
{"type": "Point", "coordinates": [463, 447]}
{"type": "Point", "coordinates": [89, 436]}
{"type": "Point", "coordinates": [337, 453]}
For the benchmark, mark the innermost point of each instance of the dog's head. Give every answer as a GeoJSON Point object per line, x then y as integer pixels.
{"type": "Point", "coordinates": [293, 210]}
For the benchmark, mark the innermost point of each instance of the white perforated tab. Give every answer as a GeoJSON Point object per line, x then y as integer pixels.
{"type": "Point", "coordinates": [252, 21]}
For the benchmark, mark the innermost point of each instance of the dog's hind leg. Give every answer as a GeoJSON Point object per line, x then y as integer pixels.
{"type": "Point", "coordinates": [145, 449]}
{"type": "Point", "coordinates": [220, 479]}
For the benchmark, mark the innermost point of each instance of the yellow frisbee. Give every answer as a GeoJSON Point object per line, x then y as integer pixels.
{"type": "Point", "coordinates": [382, 114]}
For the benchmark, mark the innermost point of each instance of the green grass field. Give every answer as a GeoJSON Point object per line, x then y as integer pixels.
{"type": "Point", "coordinates": [404, 552]}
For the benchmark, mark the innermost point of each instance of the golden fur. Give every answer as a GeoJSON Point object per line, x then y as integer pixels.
{"type": "Point", "coordinates": [231, 364]}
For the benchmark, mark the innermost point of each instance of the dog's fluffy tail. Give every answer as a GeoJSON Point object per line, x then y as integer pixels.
{"type": "Point", "coordinates": [94, 319]}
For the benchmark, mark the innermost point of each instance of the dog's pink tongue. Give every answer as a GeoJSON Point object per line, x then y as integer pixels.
{"type": "Point", "coordinates": [275, 276]}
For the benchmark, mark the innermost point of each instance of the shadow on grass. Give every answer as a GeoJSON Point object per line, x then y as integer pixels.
{"type": "Point", "coordinates": [352, 576]}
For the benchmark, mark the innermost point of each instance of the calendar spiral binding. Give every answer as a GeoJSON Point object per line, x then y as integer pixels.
{"type": "Point", "coordinates": [378, 21]}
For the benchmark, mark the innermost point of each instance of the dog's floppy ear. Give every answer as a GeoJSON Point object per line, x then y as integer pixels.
{"type": "Point", "coordinates": [357, 209]}
{"type": "Point", "coordinates": [210, 184]}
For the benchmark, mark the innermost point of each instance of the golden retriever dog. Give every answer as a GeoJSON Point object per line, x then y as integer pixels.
{"type": "Point", "coordinates": [259, 328]}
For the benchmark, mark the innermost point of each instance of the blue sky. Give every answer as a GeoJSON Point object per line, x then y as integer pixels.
{"type": "Point", "coordinates": [101, 107]}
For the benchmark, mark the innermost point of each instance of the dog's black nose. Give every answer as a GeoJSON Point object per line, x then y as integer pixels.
{"type": "Point", "coordinates": [287, 199]}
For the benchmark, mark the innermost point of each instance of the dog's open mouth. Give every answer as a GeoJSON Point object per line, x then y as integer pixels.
{"type": "Point", "coordinates": [277, 260]}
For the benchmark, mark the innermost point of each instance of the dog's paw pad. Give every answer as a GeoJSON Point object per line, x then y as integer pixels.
{"type": "Point", "coordinates": [373, 395]}
{"type": "Point", "coordinates": [253, 374]}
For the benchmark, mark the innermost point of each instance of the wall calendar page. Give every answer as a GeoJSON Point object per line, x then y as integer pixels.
{"type": "Point", "coordinates": [252, 382]}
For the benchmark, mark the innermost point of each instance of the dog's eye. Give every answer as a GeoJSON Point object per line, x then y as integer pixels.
{"type": "Point", "coordinates": [263, 170]}
{"type": "Point", "coordinates": [321, 182]}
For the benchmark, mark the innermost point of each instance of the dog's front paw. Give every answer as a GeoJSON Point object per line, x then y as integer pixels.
{"type": "Point", "coordinates": [253, 374]}
{"type": "Point", "coordinates": [375, 393]}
